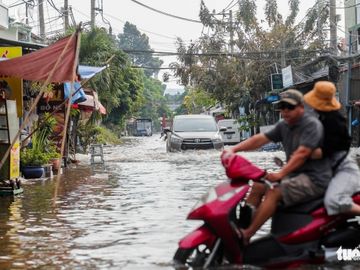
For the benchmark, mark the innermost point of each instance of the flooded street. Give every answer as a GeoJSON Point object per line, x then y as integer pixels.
{"type": "Point", "coordinates": [130, 216]}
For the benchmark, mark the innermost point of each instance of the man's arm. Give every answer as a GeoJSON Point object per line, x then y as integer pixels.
{"type": "Point", "coordinates": [296, 160]}
{"type": "Point", "coordinates": [251, 143]}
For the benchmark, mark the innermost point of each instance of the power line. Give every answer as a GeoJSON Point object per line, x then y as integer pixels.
{"type": "Point", "coordinates": [164, 13]}
{"type": "Point", "coordinates": [152, 67]}
{"type": "Point", "coordinates": [356, 5]}
{"type": "Point", "coordinates": [157, 34]}
{"type": "Point", "coordinates": [256, 53]}
{"type": "Point", "coordinates": [228, 5]}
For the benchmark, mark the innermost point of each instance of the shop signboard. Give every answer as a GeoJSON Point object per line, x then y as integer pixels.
{"type": "Point", "coordinates": [12, 86]}
{"type": "Point", "coordinates": [15, 160]}
{"type": "Point", "coordinates": [287, 77]}
{"type": "Point", "coordinates": [276, 81]}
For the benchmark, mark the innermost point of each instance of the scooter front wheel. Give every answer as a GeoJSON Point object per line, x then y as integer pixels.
{"type": "Point", "coordinates": [198, 257]}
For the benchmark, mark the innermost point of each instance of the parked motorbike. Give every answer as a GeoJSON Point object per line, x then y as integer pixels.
{"type": "Point", "coordinates": [301, 234]}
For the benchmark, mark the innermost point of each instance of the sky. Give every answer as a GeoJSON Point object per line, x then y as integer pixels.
{"type": "Point", "coordinates": [162, 30]}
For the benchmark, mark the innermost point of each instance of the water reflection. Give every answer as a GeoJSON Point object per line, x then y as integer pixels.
{"type": "Point", "coordinates": [130, 216]}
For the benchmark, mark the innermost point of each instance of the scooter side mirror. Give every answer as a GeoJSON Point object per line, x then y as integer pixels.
{"type": "Point", "coordinates": [278, 161]}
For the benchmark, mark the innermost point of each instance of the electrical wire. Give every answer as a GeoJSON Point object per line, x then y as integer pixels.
{"type": "Point", "coordinates": [54, 7]}
{"type": "Point", "coordinates": [157, 34]}
{"type": "Point", "coordinates": [356, 5]}
{"type": "Point", "coordinates": [164, 13]}
{"type": "Point", "coordinates": [255, 53]}
{"type": "Point", "coordinates": [228, 5]}
{"type": "Point", "coordinates": [237, 2]}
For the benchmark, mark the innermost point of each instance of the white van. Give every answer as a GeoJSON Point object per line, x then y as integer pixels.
{"type": "Point", "coordinates": [232, 133]}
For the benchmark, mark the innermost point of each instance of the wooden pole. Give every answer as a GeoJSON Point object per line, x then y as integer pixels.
{"type": "Point", "coordinates": [67, 116]}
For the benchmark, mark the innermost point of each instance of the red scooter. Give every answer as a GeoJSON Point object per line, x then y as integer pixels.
{"type": "Point", "coordinates": [301, 234]}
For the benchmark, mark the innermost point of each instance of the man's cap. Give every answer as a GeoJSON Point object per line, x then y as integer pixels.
{"type": "Point", "coordinates": [291, 96]}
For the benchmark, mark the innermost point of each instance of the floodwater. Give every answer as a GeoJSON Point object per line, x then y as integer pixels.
{"type": "Point", "coordinates": [129, 216]}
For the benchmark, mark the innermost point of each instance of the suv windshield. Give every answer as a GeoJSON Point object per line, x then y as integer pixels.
{"type": "Point", "coordinates": [194, 125]}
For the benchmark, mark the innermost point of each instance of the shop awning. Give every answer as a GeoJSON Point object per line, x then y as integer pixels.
{"type": "Point", "coordinates": [38, 65]}
{"type": "Point", "coordinates": [87, 72]}
{"type": "Point", "coordinates": [92, 102]}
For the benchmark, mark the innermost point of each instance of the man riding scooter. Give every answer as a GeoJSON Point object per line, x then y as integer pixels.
{"type": "Point", "coordinates": [302, 178]}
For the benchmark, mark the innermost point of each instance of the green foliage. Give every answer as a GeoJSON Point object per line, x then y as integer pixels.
{"type": "Point", "coordinates": [93, 134]}
{"type": "Point", "coordinates": [197, 100]}
{"type": "Point", "coordinates": [247, 14]}
{"type": "Point", "coordinates": [42, 148]}
{"type": "Point", "coordinates": [244, 78]}
{"type": "Point", "coordinates": [132, 39]}
{"type": "Point", "coordinates": [271, 13]}
{"type": "Point", "coordinates": [119, 86]}
{"type": "Point", "coordinates": [33, 157]}
{"type": "Point", "coordinates": [106, 136]}
{"type": "Point", "coordinates": [154, 103]}
{"type": "Point", "coordinates": [247, 122]}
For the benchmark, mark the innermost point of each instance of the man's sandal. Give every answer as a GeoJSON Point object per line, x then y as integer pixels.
{"type": "Point", "coordinates": [240, 235]}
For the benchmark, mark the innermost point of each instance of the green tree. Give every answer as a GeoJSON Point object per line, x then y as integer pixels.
{"type": "Point", "coordinates": [232, 79]}
{"type": "Point", "coordinates": [119, 86]}
{"type": "Point", "coordinates": [154, 103]}
{"type": "Point", "coordinates": [197, 100]}
{"type": "Point", "coordinates": [133, 39]}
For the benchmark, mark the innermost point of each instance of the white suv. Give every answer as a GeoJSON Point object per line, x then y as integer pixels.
{"type": "Point", "coordinates": [232, 133]}
{"type": "Point", "coordinates": [193, 131]}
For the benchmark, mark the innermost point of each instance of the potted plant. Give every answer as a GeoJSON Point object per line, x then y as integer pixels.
{"type": "Point", "coordinates": [54, 158]}
{"type": "Point", "coordinates": [41, 149]}
{"type": "Point", "coordinates": [32, 161]}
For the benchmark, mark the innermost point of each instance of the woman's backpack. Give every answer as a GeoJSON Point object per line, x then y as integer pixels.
{"type": "Point", "coordinates": [336, 136]}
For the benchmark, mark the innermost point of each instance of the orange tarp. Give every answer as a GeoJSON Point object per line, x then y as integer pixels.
{"type": "Point", "coordinates": [36, 66]}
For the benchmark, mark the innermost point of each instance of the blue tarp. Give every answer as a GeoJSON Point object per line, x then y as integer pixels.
{"type": "Point", "coordinates": [272, 98]}
{"type": "Point", "coordinates": [85, 72]}
{"type": "Point", "coordinates": [78, 97]}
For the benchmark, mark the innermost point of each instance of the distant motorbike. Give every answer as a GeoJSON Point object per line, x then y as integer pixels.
{"type": "Point", "coordinates": [301, 234]}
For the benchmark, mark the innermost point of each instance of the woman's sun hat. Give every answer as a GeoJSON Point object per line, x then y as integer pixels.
{"type": "Point", "coordinates": [322, 97]}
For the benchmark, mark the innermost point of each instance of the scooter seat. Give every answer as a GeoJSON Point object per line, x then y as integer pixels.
{"type": "Point", "coordinates": [289, 219]}
{"type": "Point", "coordinates": [303, 208]}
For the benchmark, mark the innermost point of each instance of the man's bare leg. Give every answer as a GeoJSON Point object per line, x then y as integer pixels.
{"type": "Point", "coordinates": [257, 192]}
{"type": "Point", "coordinates": [266, 210]}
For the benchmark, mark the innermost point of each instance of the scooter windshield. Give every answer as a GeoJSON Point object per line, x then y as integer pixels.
{"type": "Point", "coordinates": [206, 198]}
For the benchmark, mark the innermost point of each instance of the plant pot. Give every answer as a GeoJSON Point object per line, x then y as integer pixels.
{"type": "Point", "coordinates": [32, 171]}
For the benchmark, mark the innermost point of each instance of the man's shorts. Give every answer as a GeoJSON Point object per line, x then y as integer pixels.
{"type": "Point", "coordinates": [299, 189]}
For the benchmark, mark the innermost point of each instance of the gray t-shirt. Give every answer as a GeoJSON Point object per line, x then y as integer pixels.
{"type": "Point", "coordinates": [307, 132]}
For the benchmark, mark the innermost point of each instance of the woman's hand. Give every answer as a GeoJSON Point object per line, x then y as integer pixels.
{"type": "Point", "coordinates": [316, 153]}
{"type": "Point", "coordinates": [274, 177]}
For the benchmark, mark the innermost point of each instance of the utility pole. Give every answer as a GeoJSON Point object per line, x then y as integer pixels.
{"type": "Point", "coordinates": [92, 11]}
{"type": "Point", "coordinates": [333, 26]}
{"type": "Point", "coordinates": [318, 23]}
{"type": "Point", "coordinates": [348, 85]}
{"type": "Point", "coordinates": [66, 14]}
{"type": "Point", "coordinates": [231, 32]}
{"type": "Point", "coordinates": [41, 18]}
{"type": "Point", "coordinates": [27, 13]}
{"type": "Point", "coordinates": [283, 54]}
